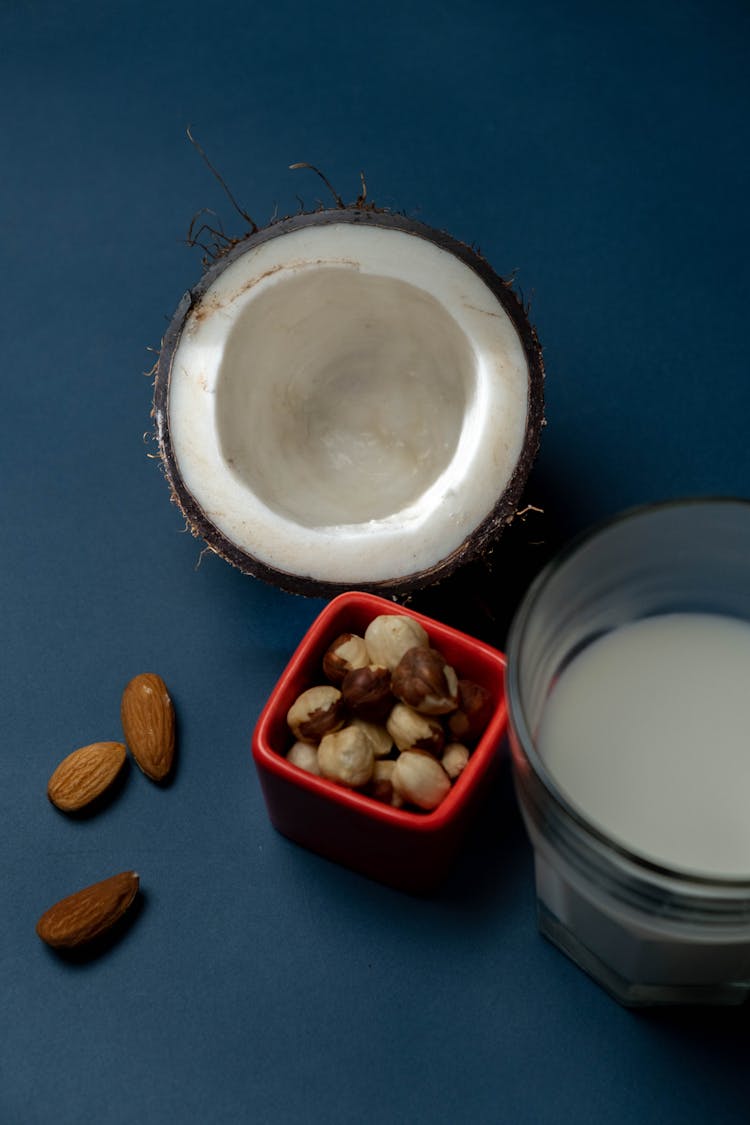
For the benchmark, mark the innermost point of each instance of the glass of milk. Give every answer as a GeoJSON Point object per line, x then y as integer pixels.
{"type": "Point", "coordinates": [629, 700]}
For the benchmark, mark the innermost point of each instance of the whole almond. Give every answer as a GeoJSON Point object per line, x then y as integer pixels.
{"type": "Point", "coordinates": [85, 774]}
{"type": "Point", "coordinates": [147, 718]}
{"type": "Point", "coordinates": [85, 915]}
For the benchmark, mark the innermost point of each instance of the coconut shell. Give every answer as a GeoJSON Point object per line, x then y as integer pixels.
{"type": "Point", "coordinates": [483, 537]}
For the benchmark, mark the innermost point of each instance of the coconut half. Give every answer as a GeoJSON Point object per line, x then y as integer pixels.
{"type": "Point", "coordinates": [349, 399]}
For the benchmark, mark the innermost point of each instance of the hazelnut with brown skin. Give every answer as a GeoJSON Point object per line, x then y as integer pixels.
{"type": "Point", "coordinates": [380, 786]}
{"type": "Point", "coordinates": [424, 680]}
{"type": "Point", "coordinates": [316, 712]}
{"type": "Point", "coordinates": [410, 730]}
{"type": "Point", "coordinates": [420, 779]}
{"type": "Point", "coordinates": [347, 652]}
{"type": "Point", "coordinates": [389, 636]}
{"type": "Point", "coordinates": [346, 756]}
{"type": "Point", "coordinates": [367, 692]}
{"type": "Point", "coordinates": [475, 707]}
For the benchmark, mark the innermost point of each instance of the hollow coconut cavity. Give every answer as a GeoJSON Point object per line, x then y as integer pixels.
{"type": "Point", "coordinates": [349, 399]}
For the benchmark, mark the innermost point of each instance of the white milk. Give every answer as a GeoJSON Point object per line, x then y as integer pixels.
{"type": "Point", "coordinates": [647, 733]}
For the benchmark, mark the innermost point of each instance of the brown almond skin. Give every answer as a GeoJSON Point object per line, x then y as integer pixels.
{"type": "Point", "coordinates": [78, 919]}
{"type": "Point", "coordinates": [85, 774]}
{"type": "Point", "coordinates": [148, 722]}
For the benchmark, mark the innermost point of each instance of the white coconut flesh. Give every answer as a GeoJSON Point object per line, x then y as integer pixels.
{"type": "Point", "coordinates": [347, 403]}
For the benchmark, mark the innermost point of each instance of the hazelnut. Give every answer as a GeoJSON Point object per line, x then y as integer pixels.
{"type": "Point", "coordinates": [316, 712]}
{"type": "Point", "coordinates": [389, 636]}
{"type": "Point", "coordinates": [380, 786]}
{"type": "Point", "coordinates": [382, 743]}
{"type": "Point", "coordinates": [367, 692]}
{"type": "Point", "coordinates": [475, 707]}
{"type": "Point", "coordinates": [346, 756]}
{"type": "Point", "coordinates": [304, 755]}
{"type": "Point", "coordinates": [424, 681]}
{"type": "Point", "coordinates": [347, 651]}
{"type": "Point", "coordinates": [410, 730]}
{"type": "Point", "coordinates": [420, 779]}
{"type": "Point", "coordinates": [454, 759]}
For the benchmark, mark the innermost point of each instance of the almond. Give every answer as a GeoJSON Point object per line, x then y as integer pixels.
{"type": "Point", "coordinates": [85, 774]}
{"type": "Point", "coordinates": [147, 718]}
{"type": "Point", "coordinates": [85, 915]}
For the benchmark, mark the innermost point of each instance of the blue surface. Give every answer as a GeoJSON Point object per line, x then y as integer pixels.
{"type": "Point", "coordinates": [600, 150]}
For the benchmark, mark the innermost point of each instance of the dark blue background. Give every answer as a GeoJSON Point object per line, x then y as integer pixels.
{"type": "Point", "coordinates": [599, 150]}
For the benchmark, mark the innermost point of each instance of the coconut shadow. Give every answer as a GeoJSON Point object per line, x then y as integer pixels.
{"type": "Point", "coordinates": [481, 597]}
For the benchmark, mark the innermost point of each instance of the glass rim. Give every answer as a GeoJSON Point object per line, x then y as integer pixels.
{"type": "Point", "coordinates": [516, 712]}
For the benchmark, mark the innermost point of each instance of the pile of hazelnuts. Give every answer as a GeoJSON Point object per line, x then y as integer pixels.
{"type": "Point", "coordinates": [393, 721]}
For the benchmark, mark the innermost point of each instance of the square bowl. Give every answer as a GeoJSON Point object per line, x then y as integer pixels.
{"type": "Point", "coordinates": [411, 850]}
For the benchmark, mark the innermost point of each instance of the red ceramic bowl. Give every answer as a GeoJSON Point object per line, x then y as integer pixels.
{"type": "Point", "coordinates": [409, 850]}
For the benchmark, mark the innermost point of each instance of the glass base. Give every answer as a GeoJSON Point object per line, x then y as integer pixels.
{"type": "Point", "coordinates": [627, 993]}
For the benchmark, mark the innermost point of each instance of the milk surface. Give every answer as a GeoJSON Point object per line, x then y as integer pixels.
{"type": "Point", "coordinates": [647, 733]}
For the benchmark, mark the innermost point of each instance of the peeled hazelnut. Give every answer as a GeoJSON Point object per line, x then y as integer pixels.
{"type": "Point", "coordinates": [316, 712]}
{"type": "Point", "coordinates": [410, 730]}
{"type": "Point", "coordinates": [474, 712]}
{"type": "Point", "coordinates": [367, 692]}
{"type": "Point", "coordinates": [380, 786]}
{"type": "Point", "coordinates": [454, 759]}
{"type": "Point", "coordinates": [424, 681]}
{"type": "Point", "coordinates": [347, 651]}
{"type": "Point", "coordinates": [420, 779]}
{"type": "Point", "coordinates": [382, 743]}
{"type": "Point", "coordinates": [346, 756]}
{"type": "Point", "coordinates": [304, 755]}
{"type": "Point", "coordinates": [389, 636]}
